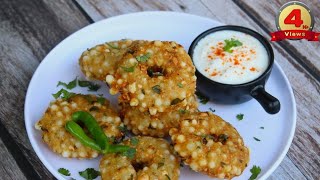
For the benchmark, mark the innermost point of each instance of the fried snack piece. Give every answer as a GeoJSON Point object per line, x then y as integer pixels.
{"type": "Point", "coordinates": [99, 61]}
{"type": "Point", "coordinates": [117, 167]}
{"type": "Point", "coordinates": [210, 145]}
{"type": "Point", "coordinates": [154, 159]}
{"type": "Point", "coordinates": [52, 124]}
{"type": "Point", "coordinates": [142, 123]}
{"type": "Point", "coordinates": [154, 76]}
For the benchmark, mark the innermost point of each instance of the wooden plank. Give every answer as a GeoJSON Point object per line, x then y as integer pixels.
{"type": "Point", "coordinates": [305, 86]}
{"type": "Point", "coordinates": [29, 29]}
{"type": "Point", "coordinates": [8, 167]}
{"type": "Point", "coordinates": [264, 13]}
{"type": "Point", "coordinates": [287, 170]}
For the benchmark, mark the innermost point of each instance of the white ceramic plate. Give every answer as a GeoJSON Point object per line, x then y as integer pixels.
{"type": "Point", "coordinates": [61, 64]}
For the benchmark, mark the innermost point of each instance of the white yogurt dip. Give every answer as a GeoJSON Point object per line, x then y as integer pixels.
{"type": "Point", "coordinates": [240, 64]}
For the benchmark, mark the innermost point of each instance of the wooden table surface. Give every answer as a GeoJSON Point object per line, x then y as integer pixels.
{"type": "Point", "coordinates": [29, 29]}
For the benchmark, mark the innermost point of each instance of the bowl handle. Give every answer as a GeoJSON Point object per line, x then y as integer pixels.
{"type": "Point", "coordinates": [269, 103]}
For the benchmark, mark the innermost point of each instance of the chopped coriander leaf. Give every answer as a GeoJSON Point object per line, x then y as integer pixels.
{"type": "Point", "coordinates": [64, 171]}
{"type": "Point", "coordinates": [65, 94]}
{"type": "Point", "coordinates": [180, 85]}
{"type": "Point", "coordinates": [156, 89]}
{"type": "Point", "coordinates": [168, 177]}
{"type": "Point", "coordinates": [143, 58]}
{"type": "Point", "coordinates": [255, 171]}
{"type": "Point", "coordinates": [101, 100]}
{"type": "Point", "coordinates": [91, 86]}
{"type": "Point", "coordinates": [203, 99]}
{"type": "Point", "coordinates": [160, 164]}
{"type": "Point", "coordinates": [129, 69]}
{"type": "Point", "coordinates": [94, 87]}
{"type": "Point", "coordinates": [256, 139]}
{"type": "Point", "coordinates": [89, 174]}
{"type": "Point", "coordinates": [134, 141]}
{"type": "Point", "coordinates": [240, 116]}
{"type": "Point", "coordinates": [230, 44]}
{"type": "Point", "coordinates": [123, 128]}
{"type": "Point", "coordinates": [69, 85]}
{"type": "Point", "coordinates": [183, 111]}
{"type": "Point", "coordinates": [261, 127]}
{"type": "Point", "coordinates": [212, 110]}
{"type": "Point", "coordinates": [112, 46]}
{"type": "Point", "coordinates": [176, 101]}
{"type": "Point", "coordinates": [130, 153]}
{"type": "Point", "coordinates": [84, 83]}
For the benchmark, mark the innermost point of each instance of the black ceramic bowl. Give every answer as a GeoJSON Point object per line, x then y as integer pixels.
{"type": "Point", "coordinates": [238, 93]}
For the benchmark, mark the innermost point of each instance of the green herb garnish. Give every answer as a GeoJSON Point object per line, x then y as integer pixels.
{"type": "Point", "coordinates": [101, 100]}
{"type": "Point", "coordinates": [230, 44]}
{"type": "Point", "coordinates": [65, 94]}
{"type": "Point", "coordinates": [143, 58]}
{"type": "Point", "coordinates": [156, 89]}
{"type": "Point", "coordinates": [203, 99]}
{"type": "Point", "coordinates": [112, 46]}
{"type": "Point", "coordinates": [160, 164]}
{"type": "Point", "coordinates": [176, 101]}
{"type": "Point", "coordinates": [129, 69]}
{"type": "Point", "coordinates": [255, 171]}
{"type": "Point", "coordinates": [64, 171]}
{"type": "Point", "coordinates": [183, 111]}
{"type": "Point", "coordinates": [240, 116]}
{"type": "Point", "coordinates": [123, 129]}
{"type": "Point", "coordinates": [134, 141]}
{"type": "Point", "coordinates": [89, 174]}
{"type": "Point", "coordinates": [91, 86]}
{"type": "Point", "coordinates": [180, 85]}
{"type": "Point", "coordinates": [212, 110]}
{"type": "Point", "coordinates": [256, 139]}
{"type": "Point", "coordinates": [130, 153]}
{"type": "Point", "coordinates": [69, 85]}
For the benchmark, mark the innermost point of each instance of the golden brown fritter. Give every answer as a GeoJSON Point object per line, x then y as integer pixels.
{"type": "Point", "coordinates": [154, 76]}
{"type": "Point", "coordinates": [154, 159]}
{"type": "Point", "coordinates": [210, 145]}
{"type": "Point", "coordinates": [52, 124]}
{"type": "Point", "coordinates": [99, 61]}
{"type": "Point", "coordinates": [142, 123]}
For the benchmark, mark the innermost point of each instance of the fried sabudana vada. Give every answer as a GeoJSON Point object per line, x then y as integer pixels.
{"type": "Point", "coordinates": [52, 124]}
{"type": "Point", "coordinates": [154, 76]}
{"type": "Point", "coordinates": [154, 159]}
{"type": "Point", "coordinates": [210, 145]}
{"type": "Point", "coordinates": [99, 61]}
{"type": "Point", "coordinates": [142, 123]}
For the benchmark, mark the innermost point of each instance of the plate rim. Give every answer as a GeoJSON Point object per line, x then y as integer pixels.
{"type": "Point", "coordinates": [55, 173]}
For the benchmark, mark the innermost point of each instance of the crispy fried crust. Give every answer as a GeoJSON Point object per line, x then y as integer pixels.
{"type": "Point", "coordinates": [154, 159]}
{"type": "Point", "coordinates": [142, 123]}
{"type": "Point", "coordinates": [210, 145]}
{"type": "Point", "coordinates": [99, 61]}
{"type": "Point", "coordinates": [165, 78]}
{"type": "Point", "coordinates": [52, 124]}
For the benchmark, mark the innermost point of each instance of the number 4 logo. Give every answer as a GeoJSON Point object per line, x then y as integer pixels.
{"type": "Point", "coordinates": [294, 17]}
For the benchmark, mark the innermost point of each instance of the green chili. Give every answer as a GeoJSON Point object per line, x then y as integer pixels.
{"type": "Point", "coordinates": [78, 132]}
{"type": "Point", "coordinates": [93, 127]}
{"type": "Point", "coordinates": [100, 141]}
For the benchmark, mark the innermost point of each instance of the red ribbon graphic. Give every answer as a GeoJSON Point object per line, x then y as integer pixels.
{"type": "Point", "coordinates": [295, 34]}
